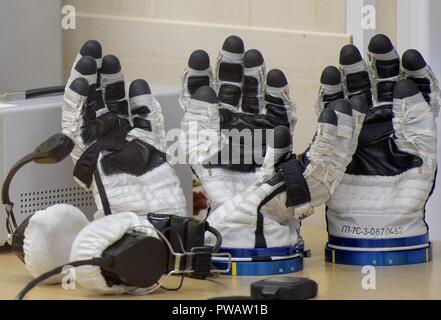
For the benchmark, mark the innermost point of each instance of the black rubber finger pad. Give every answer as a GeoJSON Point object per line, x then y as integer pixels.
{"type": "Point", "coordinates": [380, 44]}
{"type": "Point", "coordinates": [139, 87]}
{"type": "Point", "coordinates": [233, 44]}
{"type": "Point", "coordinates": [86, 65]}
{"type": "Point", "coordinates": [282, 137]}
{"type": "Point", "coordinates": [206, 94]}
{"type": "Point", "coordinates": [199, 60]}
{"type": "Point", "coordinates": [331, 76]}
{"type": "Point", "coordinates": [413, 60]}
{"type": "Point", "coordinates": [342, 106]}
{"type": "Point", "coordinates": [328, 116]}
{"type": "Point", "coordinates": [405, 88]}
{"type": "Point", "coordinates": [91, 48]}
{"type": "Point", "coordinates": [110, 64]}
{"type": "Point", "coordinates": [252, 58]}
{"type": "Point", "coordinates": [276, 78]}
{"type": "Point", "coordinates": [349, 54]}
{"type": "Point", "coordinates": [358, 102]}
{"type": "Point", "coordinates": [80, 86]}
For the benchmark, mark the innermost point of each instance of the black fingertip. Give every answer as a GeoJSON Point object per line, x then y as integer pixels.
{"type": "Point", "coordinates": [380, 44]}
{"type": "Point", "coordinates": [233, 44]}
{"type": "Point", "coordinates": [199, 60]}
{"type": "Point", "coordinates": [86, 66]}
{"type": "Point", "coordinates": [80, 86]}
{"type": "Point", "coordinates": [331, 76]}
{"type": "Point", "coordinates": [276, 78]}
{"type": "Point", "coordinates": [282, 138]}
{"type": "Point", "coordinates": [252, 58]}
{"type": "Point", "coordinates": [413, 60]}
{"type": "Point", "coordinates": [91, 48]}
{"type": "Point", "coordinates": [139, 87]}
{"type": "Point", "coordinates": [328, 116]}
{"type": "Point", "coordinates": [110, 64]}
{"type": "Point", "coordinates": [349, 54]}
{"type": "Point", "coordinates": [206, 94]}
{"type": "Point", "coordinates": [342, 106]}
{"type": "Point", "coordinates": [405, 88]}
{"type": "Point", "coordinates": [358, 102]}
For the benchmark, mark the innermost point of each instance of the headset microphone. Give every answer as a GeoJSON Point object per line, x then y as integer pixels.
{"type": "Point", "coordinates": [53, 150]}
{"type": "Point", "coordinates": [118, 253]}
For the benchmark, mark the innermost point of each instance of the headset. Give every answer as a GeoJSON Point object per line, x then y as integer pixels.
{"type": "Point", "coordinates": [118, 253]}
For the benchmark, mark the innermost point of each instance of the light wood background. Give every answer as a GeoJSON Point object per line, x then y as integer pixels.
{"type": "Point", "coordinates": [153, 39]}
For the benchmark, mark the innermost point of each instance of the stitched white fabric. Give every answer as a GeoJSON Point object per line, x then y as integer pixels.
{"type": "Point", "coordinates": [48, 238]}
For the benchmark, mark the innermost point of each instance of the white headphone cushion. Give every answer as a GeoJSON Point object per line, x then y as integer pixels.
{"type": "Point", "coordinates": [97, 237]}
{"type": "Point", "coordinates": [49, 237]}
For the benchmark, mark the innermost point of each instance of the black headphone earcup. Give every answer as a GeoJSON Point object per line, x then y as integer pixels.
{"type": "Point", "coordinates": [112, 235]}
{"type": "Point", "coordinates": [137, 261]}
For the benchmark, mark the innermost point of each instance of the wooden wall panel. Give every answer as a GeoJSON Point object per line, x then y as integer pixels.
{"type": "Point", "coordinates": [131, 8]}
{"type": "Point", "coordinates": [387, 18]}
{"type": "Point", "coordinates": [311, 15]}
{"type": "Point", "coordinates": [212, 11]}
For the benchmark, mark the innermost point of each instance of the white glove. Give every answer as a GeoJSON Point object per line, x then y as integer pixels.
{"type": "Point", "coordinates": [119, 143]}
{"type": "Point", "coordinates": [376, 214]}
{"type": "Point", "coordinates": [248, 209]}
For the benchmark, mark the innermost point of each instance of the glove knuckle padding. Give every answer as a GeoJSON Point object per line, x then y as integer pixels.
{"type": "Point", "coordinates": [148, 121]}
{"type": "Point", "coordinates": [72, 120]}
{"type": "Point", "coordinates": [97, 237]}
{"type": "Point", "coordinates": [48, 237]}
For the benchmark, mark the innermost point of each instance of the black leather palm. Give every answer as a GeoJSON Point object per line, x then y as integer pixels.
{"type": "Point", "coordinates": [377, 152]}
{"type": "Point", "coordinates": [135, 158]}
{"type": "Point", "coordinates": [276, 115]}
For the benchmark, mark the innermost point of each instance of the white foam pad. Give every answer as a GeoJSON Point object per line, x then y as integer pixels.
{"type": "Point", "coordinates": [97, 237]}
{"type": "Point", "coordinates": [49, 236]}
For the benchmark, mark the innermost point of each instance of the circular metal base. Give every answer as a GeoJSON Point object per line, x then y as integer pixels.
{"type": "Point", "coordinates": [379, 258]}
{"type": "Point", "coordinates": [262, 268]}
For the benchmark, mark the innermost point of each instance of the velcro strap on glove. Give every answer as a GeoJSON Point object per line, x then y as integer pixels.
{"type": "Point", "coordinates": [86, 164]}
{"type": "Point", "coordinates": [297, 191]}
